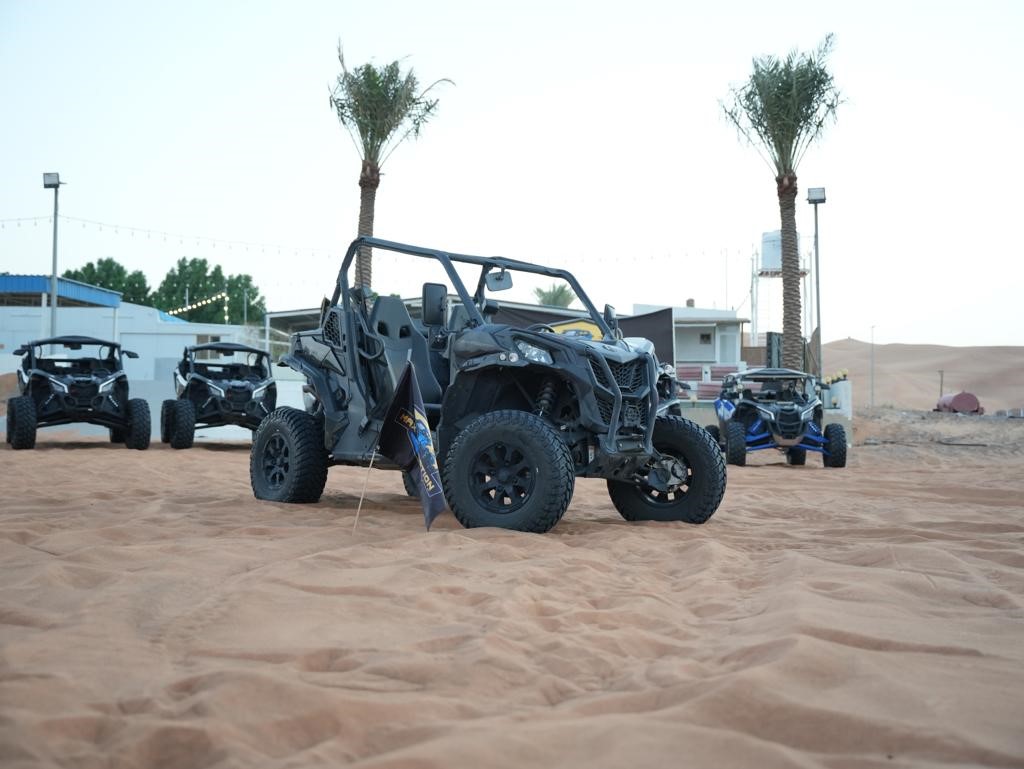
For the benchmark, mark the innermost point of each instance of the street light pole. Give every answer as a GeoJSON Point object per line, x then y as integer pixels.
{"type": "Point", "coordinates": [52, 181]}
{"type": "Point", "coordinates": [872, 368]}
{"type": "Point", "coordinates": [816, 195]}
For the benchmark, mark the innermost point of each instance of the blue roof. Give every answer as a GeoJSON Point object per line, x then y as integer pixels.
{"type": "Point", "coordinates": [66, 288]}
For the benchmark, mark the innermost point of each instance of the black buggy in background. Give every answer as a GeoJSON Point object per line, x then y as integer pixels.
{"type": "Point", "coordinates": [232, 388]}
{"type": "Point", "coordinates": [517, 412]}
{"type": "Point", "coordinates": [68, 386]}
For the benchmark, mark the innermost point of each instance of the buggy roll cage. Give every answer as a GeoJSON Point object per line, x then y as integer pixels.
{"type": "Point", "coordinates": [486, 263]}
{"type": "Point", "coordinates": [75, 343]}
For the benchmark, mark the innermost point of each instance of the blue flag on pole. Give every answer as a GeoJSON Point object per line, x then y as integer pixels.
{"type": "Point", "coordinates": [405, 439]}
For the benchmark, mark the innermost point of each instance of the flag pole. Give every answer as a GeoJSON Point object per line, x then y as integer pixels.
{"type": "Point", "coordinates": [362, 494]}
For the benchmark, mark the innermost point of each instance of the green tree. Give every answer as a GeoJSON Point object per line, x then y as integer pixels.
{"type": "Point", "coordinates": [781, 110]}
{"type": "Point", "coordinates": [193, 282]}
{"type": "Point", "coordinates": [109, 273]}
{"type": "Point", "coordinates": [380, 107]}
{"type": "Point", "coordinates": [556, 295]}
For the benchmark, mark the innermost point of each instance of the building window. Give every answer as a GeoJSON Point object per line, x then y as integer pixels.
{"type": "Point", "coordinates": [705, 338]}
{"type": "Point", "coordinates": [206, 354]}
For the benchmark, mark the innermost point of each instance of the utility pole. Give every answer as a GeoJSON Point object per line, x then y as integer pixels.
{"type": "Point", "coordinates": [872, 368]}
{"type": "Point", "coordinates": [941, 388]}
{"type": "Point", "coordinates": [245, 307]}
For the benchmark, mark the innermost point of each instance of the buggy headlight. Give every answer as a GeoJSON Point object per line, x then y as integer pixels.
{"type": "Point", "coordinates": [766, 413]}
{"type": "Point", "coordinates": [218, 390]}
{"type": "Point", "coordinates": [260, 391]}
{"type": "Point", "coordinates": [534, 353]}
{"type": "Point", "coordinates": [107, 385]}
{"type": "Point", "coordinates": [807, 413]}
{"type": "Point", "coordinates": [58, 384]}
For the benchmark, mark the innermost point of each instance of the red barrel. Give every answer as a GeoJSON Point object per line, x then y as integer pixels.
{"type": "Point", "coordinates": [960, 403]}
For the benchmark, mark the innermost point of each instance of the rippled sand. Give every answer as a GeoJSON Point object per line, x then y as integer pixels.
{"type": "Point", "coordinates": [153, 614]}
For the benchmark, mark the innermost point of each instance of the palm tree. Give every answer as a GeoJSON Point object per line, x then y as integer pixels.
{"type": "Point", "coordinates": [557, 295]}
{"type": "Point", "coordinates": [784, 107]}
{"type": "Point", "coordinates": [375, 104]}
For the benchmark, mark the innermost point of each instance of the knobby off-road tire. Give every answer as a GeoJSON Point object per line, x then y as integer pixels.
{"type": "Point", "coordinates": [166, 420]}
{"type": "Point", "coordinates": [697, 497]}
{"type": "Point", "coordinates": [116, 436]}
{"type": "Point", "coordinates": [509, 469]}
{"type": "Point", "coordinates": [835, 446]}
{"type": "Point", "coordinates": [410, 485]}
{"type": "Point", "coordinates": [288, 461]}
{"type": "Point", "coordinates": [796, 456]}
{"type": "Point", "coordinates": [735, 443]}
{"type": "Point", "coordinates": [183, 424]}
{"type": "Point", "coordinates": [139, 425]}
{"type": "Point", "coordinates": [21, 422]}
{"type": "Point", "coordinates": [716, 434]}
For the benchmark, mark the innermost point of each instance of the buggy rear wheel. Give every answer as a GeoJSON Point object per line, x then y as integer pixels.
{"type": "Point", "coordinates": [166, 420]}
{"type": "Point", "coordinates": [796, 456]}
{"type": "Point", "coordinates": [696, 497]}
{"type": "Point", "coordinates": [288, 461]}
{"type": "Point", "coordinates": [21, 422]}
{"type": "Point", "coordinates": [735, 443]}
{"type": "Point", "coordinates": [509, 469]}
{"type": "Point", "coordinates": [715, 433]}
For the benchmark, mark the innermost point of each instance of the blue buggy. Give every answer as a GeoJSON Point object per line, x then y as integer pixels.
{"type": "Point", "coordinates": [775, 408]}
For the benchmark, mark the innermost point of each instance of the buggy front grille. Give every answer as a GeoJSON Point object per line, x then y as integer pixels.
{"type": "Point", "coordinates": [789, 423]}
{"type": "Point", "coordinates": [629, 376]}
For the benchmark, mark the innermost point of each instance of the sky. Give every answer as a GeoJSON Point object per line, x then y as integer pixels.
{"type": "Point", "coordinates": [584, 135]}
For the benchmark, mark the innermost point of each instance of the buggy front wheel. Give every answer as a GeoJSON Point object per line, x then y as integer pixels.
{"type": "Point", "coordinates": [509, 469]}
{"type": "Point", "coordinates": [835, 446]}
{"type": "Point", "coordinates": [21, 422]}
{"type": "Point", "coordinates": [699, 463]}
{"type": "Point", "coordinates": [137, 436]}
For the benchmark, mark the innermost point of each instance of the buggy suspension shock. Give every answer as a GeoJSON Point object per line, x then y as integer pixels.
{"type": "Point", "coordinates": [546, 398]}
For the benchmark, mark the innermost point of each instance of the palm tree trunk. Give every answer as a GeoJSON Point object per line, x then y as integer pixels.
{"type": "Point", "coordinates": [792, 340]}
{"type": "Point", "coordinates": [369, 180]}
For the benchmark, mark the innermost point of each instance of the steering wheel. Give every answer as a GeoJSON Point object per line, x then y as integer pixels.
{"type": "Point", "coordinates": [541, 327]}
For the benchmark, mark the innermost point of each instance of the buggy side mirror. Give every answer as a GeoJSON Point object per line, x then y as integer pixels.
{"type": "Point", "coordinates": [435, 299]}
{"type": "Point", "coordinates": [611, 318]}
{"type": "Point", "coordinates": [498, 281]}
{"type": "Point", "coordinates": [325, 305]}
{"type": "Point", "coordinates": [21, 351]}
{"type": "Point", "coordinates": [129, 354]}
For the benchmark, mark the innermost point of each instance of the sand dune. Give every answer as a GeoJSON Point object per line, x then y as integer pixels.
{"type": "Point", "coordinates": [907, 375]}
{"type": "Point", "coordinates": [153, 614]}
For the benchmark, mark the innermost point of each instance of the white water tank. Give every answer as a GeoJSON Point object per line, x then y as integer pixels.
{"type": "Point", "coordinates": [771, 251]}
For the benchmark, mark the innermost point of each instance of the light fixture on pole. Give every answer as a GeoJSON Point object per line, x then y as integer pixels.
{"type": "Point", "coordinates": [51, 181]}
{"type": "Point", "coordinates": [816, 195]}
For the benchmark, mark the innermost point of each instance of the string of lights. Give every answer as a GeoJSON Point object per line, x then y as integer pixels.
{"type": "Point", "coordinates": [161, 235]}
{"type": "Point", "coordinates": [202, 303]}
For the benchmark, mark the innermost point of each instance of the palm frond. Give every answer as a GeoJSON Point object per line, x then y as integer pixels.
{"type": "Point", "coordinates": [785, 105]}
{"type": "Point", "coordinates": [375, 103]}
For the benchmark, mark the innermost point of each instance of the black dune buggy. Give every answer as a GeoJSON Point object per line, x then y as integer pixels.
{"type": "Point", "coordinates": [518, 413]}
{"type": "Point", "coordinates": [221, 383]}
{"type": "Point", "coordinates": [775, 408]}
{"type": "Point", "coordinates": [69, 385]}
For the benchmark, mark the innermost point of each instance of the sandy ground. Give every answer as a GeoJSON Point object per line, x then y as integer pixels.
{"type": "Point", "coordinates": [153, 614]}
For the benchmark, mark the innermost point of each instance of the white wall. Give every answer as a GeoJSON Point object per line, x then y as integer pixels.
{"type": "Point", "coordinates": [137, 328]}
